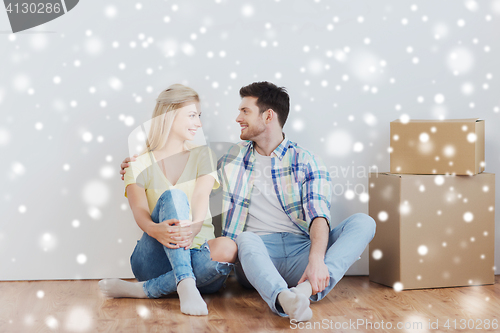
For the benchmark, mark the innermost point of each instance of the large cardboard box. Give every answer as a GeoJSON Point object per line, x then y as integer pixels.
{"type": "Point", "coordinates": [432, 230]}
{"type": "Point", "coordinates": [437, 147]}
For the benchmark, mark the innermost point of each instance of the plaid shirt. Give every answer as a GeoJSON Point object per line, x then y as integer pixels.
{"type": "Point", "coordinates": [301, 183]}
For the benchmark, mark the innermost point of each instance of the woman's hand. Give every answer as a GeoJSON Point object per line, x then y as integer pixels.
{"type": "Point", "coordinates": [125, 164]}
{"type": "Point", "coordinates": [170, 233]}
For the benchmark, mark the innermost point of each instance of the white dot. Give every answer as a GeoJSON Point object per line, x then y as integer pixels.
{"type": "Point", "coordinates": [383, 216]}
{"type": "Point", "coordinates": [56, 79]}
{"type": "Point", "coordinates": [40, 293]}
{"type": "Point", "coordinates": [422, 250]}
{"type": "Point", "coordinates": [39, 126]}
{"type": "Point", "coordinates": [298, 125]}
{"type": "Point", "coordinates": [404, 21]}
{"type": "Point", "coordinates": [349, 194]}
{"type": "Point", "coordinates": [449, 151]}
{"type": "Point", "coordinates": [460, 23]}
{"type": "Point", "coordinates": [96, 193]}
{"type": "Point", "coordinates": [75, 223]}
{"type": "Point", "coordinates": [306, 48]}
{"type": "Point", "coordinates": [51, 322]}
{"type": "Point", "coordinates": [439, 99]}
{"type": "Point", "coordinates": [471, 137]}
{"type": "Point", "coordinates": [247, 10]}
{"type": "Point", "coordinates": [107, 172]}
{"type": "Point", "coordinates": [215, 85]}
{"type": "Point", "coordinates": [129, 121]}
{"type": "Point", "coordinates": [81, 258]}
{"type": "Point", "coordinates": [87, 137]}
{"type": "Point", "coordinates": [468, 217]}
{"type": "Point", "coordinates": [398, 286]}
{"type": "Point", "coordinates": [364, 197]}
{"type": "Point", "coordinates": [421, 188]}
{"type": "Point", "coordinates": [439, 180]}
{"type": "Point", "coordinates": [94, 213]}
{"type": "Point", "coordinates": [66, 167]}
{"type": "Point", "coordinates": [339, 143]}
{"type": "Point", "coordinates": [18, 168]}
{"type": "Point", "coordinates": [377, 254]}
{"type": "Point", "coordinates": [79, 320]}
{"type": "Point", "coordinates": [424, 137]}
{"type": "Point", "coordinates": [361, 19]}
{"type": "Point", "coordinates": [22, 209]}
{"type": "Point", "coordinates": [166, 19]}
{"type": "Point", "coordinates": [175, 7]}
{"type": "Point", "coordinates": [110, 11]}
{"type": "Point", "coordinates": [143, 311]}
{"type": "Point", "coordinates": [467, 88]}
{"type": "Point", "coordinates": [47, 241]}
{"type": "Point", "coordinates": [404, 208]}
{"type": "Point", "coordinates": [358, 147]}
{"type": "Point", "coordinates": [404, 118]}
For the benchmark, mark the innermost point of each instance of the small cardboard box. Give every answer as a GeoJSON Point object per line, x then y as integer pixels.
{"type": "Point", "coordinates": [453, 146]}
{"type": "Point", "coordinates": [432, 230]}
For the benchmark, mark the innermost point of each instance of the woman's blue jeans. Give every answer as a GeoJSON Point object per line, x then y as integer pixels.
{"type": "Point", "coordinates": [162, 268]}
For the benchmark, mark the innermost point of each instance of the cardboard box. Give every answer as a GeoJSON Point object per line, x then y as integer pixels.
{"type": "Point", "coordinates": [438, 147]}
{"type": "Point", "coordinates": [432, 230]}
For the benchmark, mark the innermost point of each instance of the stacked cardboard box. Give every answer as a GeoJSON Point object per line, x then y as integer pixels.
{"type": "Point", "coordinates": [435, 211]}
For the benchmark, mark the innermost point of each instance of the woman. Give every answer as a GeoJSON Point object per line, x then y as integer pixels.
{"type": "Point", "coordinates": [168, 188]}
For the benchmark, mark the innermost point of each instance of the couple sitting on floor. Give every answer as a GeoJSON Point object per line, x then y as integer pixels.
{"type": "Point", "coordinates": [276, 222]}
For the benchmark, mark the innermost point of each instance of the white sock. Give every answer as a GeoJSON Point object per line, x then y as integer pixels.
{"type": "Point", "coordinates": [118, 288]}
{"type": "Point", "coordinates": [296, 306]}
{"type": "Point", "coordinates": [191, 301]}
{"type": "Point", "coordinates": [304, 288]}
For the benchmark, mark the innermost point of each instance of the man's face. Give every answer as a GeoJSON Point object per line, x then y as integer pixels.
{"type": "Point", "coordinates": [250, 119]}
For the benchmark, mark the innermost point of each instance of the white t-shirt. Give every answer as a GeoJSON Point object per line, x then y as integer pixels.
{"type": "Point", "coordinates": [265, 215]}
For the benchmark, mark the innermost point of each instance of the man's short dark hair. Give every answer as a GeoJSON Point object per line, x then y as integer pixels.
{"type": "Point", "coordinates": [269, 96]}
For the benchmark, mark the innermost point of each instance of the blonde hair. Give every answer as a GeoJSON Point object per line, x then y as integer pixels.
{"type": "Point", "coordinates": [167, 106]}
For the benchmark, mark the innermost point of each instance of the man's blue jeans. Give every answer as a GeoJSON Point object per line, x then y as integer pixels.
{"type": "Point", "coordinates": [274, 262]}
{"type": "Point", "coordinates": [162, 268]}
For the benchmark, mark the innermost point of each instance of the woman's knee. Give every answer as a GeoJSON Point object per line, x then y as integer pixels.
{"type": "Point", "coordinates": [223, 249]}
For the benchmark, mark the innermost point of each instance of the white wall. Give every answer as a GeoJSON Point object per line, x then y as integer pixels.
{"type": "Point", "coordinates": [350, 67]}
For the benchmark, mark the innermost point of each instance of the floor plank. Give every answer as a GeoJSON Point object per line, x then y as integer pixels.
{"type": "Point", "coordinates": [355, 303]}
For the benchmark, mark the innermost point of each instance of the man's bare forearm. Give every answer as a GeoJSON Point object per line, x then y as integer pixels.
{"type": "Point", "coordinates": [319, 233]}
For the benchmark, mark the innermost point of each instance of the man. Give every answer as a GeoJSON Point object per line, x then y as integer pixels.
{"type": "Point", "coordinates": [276, 206]}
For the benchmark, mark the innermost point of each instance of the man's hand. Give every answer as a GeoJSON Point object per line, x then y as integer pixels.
{"type": "Point", "coordinates": [125, 165]}
{"type": "Point", "coordinates": [317, 274]}
{"type": "Point", "coordinates": [171, 234]}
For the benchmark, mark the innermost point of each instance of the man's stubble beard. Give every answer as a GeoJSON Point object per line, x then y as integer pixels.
{"type": "Point", "coordinates": [251, 134]}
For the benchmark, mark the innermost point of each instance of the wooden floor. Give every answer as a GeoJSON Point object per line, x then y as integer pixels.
{"type": "Point", "coordinates": [355, 303]}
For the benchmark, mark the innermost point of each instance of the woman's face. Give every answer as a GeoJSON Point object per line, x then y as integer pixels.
{"type": "Point", "coordinates": [187, 121]}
